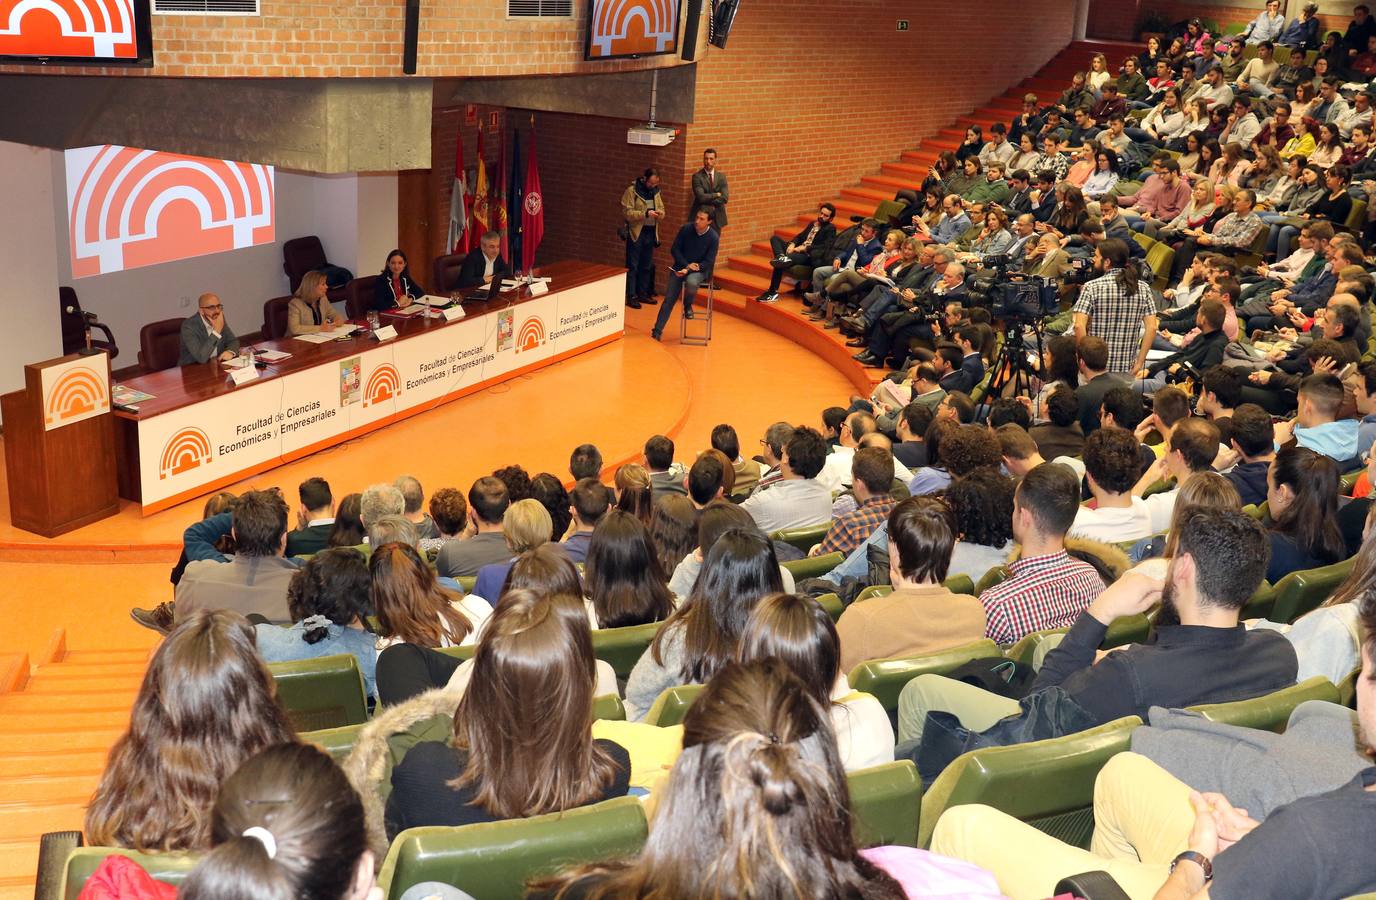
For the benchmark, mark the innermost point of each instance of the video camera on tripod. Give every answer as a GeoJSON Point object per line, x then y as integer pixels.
{"type": "Point", "coordinates": [1024, 297]}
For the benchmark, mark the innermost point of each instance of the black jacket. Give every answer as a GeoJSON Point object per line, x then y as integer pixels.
{"type": "Point", "coordinates": [821, 245]}
{"type": "Point", "coordinates": [474, 264]}
{"type": "Point", "coordinates": [383, 296]}
{"type": "Point", "coordinates": [1204, 352]}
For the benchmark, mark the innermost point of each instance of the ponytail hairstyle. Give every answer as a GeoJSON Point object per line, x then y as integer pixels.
{"type": "Point", "coordinates": [635, 492]}
{"type": "Point", "coordinates": [287, 824]}
{"type": "Point", "coordinates": [1115, 253]}
{"type": "Point", "coordinates": [333, 585]}
{"type": "Point", "coordinates": [1310, 519]}
{"type": "Point", "coordinates": [757, 805]}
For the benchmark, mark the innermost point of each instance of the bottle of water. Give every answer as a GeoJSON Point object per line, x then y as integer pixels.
{"type": "Point", "coordinates": [373, 321]}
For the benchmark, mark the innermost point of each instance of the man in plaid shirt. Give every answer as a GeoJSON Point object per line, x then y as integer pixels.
{"type": "Point", "coordinates": [1046, 587]}
{"type": "Point", "coordinates": [1118, 307]}
{"type": "Point", "coordinates": [872, 473]}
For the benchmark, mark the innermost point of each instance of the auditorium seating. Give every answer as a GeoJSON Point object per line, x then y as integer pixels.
{"type": "Point", "coordinates": [445, 273]}
{"type": "Point", "coordinates": [275, 317]}
{"type": "Point", "coordinates": [1272, 711]}
{"type": "Point", "coordinates": [321, 693]}
{"type": "Point", "coordinates": [885, 678]}
{"type": "Point", "coordinates": [886, 801]}
{"type": "Point", "coordinates": [671, 706]}
{"type": "Point", "coordinates": [1305, 590]}
{"type": "Point", "coordinates": [302, 255]}
{"type": "Point", "coordinates": [160, 344]}
{"type": "Point", "coordinates": [358, 296]}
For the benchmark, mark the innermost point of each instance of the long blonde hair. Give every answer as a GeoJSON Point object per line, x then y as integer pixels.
{"type": "Point", "coordinates": [309, 283]}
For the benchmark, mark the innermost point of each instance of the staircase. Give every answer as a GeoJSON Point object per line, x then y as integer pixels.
{"type": "Point", "coordinates": [57, 723]}
{"type": "Point", "coordinates": [744, 277]}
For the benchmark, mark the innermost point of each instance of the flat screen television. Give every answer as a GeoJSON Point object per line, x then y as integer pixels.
{"type": "Point", "coordinates": [76, 32]}
{"type": "Point", "coordinates": [619, 29]}
{"type": "Point", "coordinates": [723, 17]}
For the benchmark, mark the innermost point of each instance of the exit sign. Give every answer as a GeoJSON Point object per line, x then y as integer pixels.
{"type": "Point", "coordinates": [902, 24]}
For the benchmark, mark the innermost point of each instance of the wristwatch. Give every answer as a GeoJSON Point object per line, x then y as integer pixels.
{"type": "Point", "coordinates": [1198, 859]}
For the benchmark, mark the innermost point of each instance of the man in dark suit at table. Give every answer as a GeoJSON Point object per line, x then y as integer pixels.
{"type": "Point", "coordinates": [316, 515]}
{"type": "Point", "coordinates": [206, 335]}
{"type": "Point", "coordinates": [483, 263]}
{"type": "Point", "coordinates": [710, 191]}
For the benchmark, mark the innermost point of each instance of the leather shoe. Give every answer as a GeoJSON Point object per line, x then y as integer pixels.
{"type": "Point", "coordinates": [655, 335]}
{"type": "Point", "coordinates": [831, 325]}
{"type": "Point", "coordinates": [651, 301]}
{"type": "Point", "coordinates": [688, 313]}
{"type": "Point", "coordinates": [160, 618]}
{"type": "Point", "coordinates": [633, 303]}
{"type": "Point", "coordinates": [856, 342]}
{"type": "Point", "coordinates": [866, 359]}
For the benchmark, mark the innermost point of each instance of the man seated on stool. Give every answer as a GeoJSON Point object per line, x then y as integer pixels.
{"type": "Point", "coordinates": [206, 335]}
{"type": "Point", "coordinates": [483, 263]}
{"type": "Point", "coordinates": [694, 251]}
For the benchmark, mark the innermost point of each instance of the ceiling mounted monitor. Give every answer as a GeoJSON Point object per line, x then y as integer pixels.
{"type": "Point", "coordinates": [76, 32]}
{"type": "Point", "coordinates": [620, 29]}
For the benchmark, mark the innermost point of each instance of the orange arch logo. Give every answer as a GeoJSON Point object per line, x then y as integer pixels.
{"type": "Point", "coordinates": [531, 335]}
{"type": "Point", "coordinates": [627, 27]}
{"type": "Point", "coordinates": [78, 393]}
{"type": "Point", "coordinates": [188, 449]}
{"type": "Point", "coordinates": [84, 28]}
{"type": "Point", "coordinates": [383, 384]}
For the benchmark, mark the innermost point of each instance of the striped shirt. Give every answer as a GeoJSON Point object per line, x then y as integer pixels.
{"type": "Point", "coordinates": [1040, 592]}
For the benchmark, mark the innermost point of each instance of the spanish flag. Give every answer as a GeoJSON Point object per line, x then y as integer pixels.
{"type": "Point", "coordinates": [480, 198]}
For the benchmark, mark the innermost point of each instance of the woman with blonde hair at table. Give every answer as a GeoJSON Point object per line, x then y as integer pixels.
{"type": "Point", "coordinates": [309, 311]}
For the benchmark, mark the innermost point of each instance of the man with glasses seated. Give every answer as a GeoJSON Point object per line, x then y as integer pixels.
{"type": "Point", "coordinates": [206, 335]}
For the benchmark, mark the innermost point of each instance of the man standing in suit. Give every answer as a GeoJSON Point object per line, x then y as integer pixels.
{"type": "Point", "coordinates": [709, 190]}
{"type": "Point", "coordinates": [206, 335]}
{"type": "Point", "coordinates": [484, 262]}
{"type": "Point", "coordinates": [809, 248]}
{"type": "Point", "coordinates": [315, 518]}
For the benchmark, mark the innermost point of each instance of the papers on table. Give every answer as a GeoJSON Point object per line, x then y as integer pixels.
{"type": "Point", "coordinates": [1154, 355]}
{"type": "Point", "coordinates": [432, 300]}
{"type": "Point", "coordinates": [324, 337]}
{"type": "Point", "coordinates": [272, 356]}
{"type": "Point", "coordinates": [412, 310]}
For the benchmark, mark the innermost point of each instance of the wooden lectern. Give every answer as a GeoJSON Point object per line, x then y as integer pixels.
{"type": "Point", "coordinates": [59, 437]}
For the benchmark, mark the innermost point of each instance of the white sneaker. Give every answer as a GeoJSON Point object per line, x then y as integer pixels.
{"type": "Point", "coordinates": [769, 298]}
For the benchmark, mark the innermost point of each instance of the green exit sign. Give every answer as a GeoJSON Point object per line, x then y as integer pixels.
{"type": "Point", "coordinates": [902, 24]}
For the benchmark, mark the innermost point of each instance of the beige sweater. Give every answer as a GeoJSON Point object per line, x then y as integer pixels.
{"type": "Point", "coordinates": [908, 622]}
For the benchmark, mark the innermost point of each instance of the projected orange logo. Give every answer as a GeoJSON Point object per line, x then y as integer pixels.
{"type": "Point", "coordinates": [383, 384]}
{"type": "Point", "coordinates": [632, 27]}
{"type": "Point", "coordinates": [77, 394]}
{"type": "Point", "coordinates": [188, 449]}
{"type": "Point", "coordinates": [128, 208]}
{"type": "Point", "coordinates": [95, 29]}
{"type": "Point", "coordinates": [531, 335]}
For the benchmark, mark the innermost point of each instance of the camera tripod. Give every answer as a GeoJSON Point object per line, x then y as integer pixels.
{"type": "Point", "coordinates": [1012, 366]}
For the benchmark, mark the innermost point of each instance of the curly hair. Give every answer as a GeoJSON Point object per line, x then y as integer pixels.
{"type": "Point", "coordinates": [517, 481]}
{"type": "Point", "coordinates": [983, 504]}
{"type": "Point", "coordinates": [969, 447]}
{"type": "Point", "coordinates": [1112, 459]}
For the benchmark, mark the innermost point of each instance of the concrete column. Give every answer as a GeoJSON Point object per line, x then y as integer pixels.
{"type": "Point", "coordinates": [1081, 21]}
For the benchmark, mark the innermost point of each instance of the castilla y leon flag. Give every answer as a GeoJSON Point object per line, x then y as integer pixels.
{"type": "Point", "coordinates": [458, 205]}
{"type": "Point", "coordinates": [532, 210]}
{"type": "Point", "coordinates": [480, 198]}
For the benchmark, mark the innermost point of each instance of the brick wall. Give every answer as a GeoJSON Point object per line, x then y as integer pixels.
{"type": "Point", "coordinates": [1113, 19]}
{"type": "Point", "coordinates": [363, 39]}
{"type": "Point", "coordinates": [795, 118]}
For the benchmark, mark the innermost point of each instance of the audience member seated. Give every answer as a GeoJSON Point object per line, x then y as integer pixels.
{"type": "Point", "coordinates": [206, 336]}
{"type": "Point", "coordinates": [328, 598]}
{"type": "Point", "coordinates": [309, 311]}
{"type": "Point", "coordinates": [1061, 435]}
{"type": "Point", "coordinates": [487, 505]}
{"type": "Point", "coordinates": [252, 581]}
{"type": "Point", "coordinates": [784, 831]}
{"type": "Point", "coordinates": [1202, 350]}
{"type": "Point", "coordinates": [920, 615]}
{"type": "Point", "coordinates": [413, 499]}
{"type": "Point", "coordinates": [674, 531]}
{"type": "Point", "coordinates": [982, 502]}
{"type": "Point", "coordinates": [701, 636]}
{"type": "Point", "coordinates": [1193, 446]}
{"type": "Point", "coordinates": [1302, 507]}
{"type": "Point", "coordinates": [625, 583]}
{"type": "Point", "coordinates": [449, 512]}
{"type": "Point", "coordinates": [1317, 426]}
{"type": "Point", "coordinates": [1206, 489]}
{"type": "Point", "coordinates": [378, 501]}
{"type": "Point", "coordinates": [287, 823]}
{"type": "Point", "coordinates": [797, 499]}
{"type": "Point", "coordinates": [588, 503]}
{"type": "Point", "coordinates": [1112, 466]}
{"type": "Point", "coordinates": [206, 704]}
{"type": "Point", "coordinates": [1208, 658]}
{"type": "Point", "coordinates": [635, 491]}
{"type": "Point", "coordinates": [314, 517]}
{"type": "Point", "coordinates": [525, 525]}
{"type": "Point", "coordinates": [1046, 587]}
{"type": "Point", "coordinates": [872, 479]}
{"type": "Point", "coordinates": [348, 523]}
{"type": "Point", "coordinates": [522, 742]}
{"type": "Point", "coordinates": [954, 450]}
{"type": "Point", "coordinates": [798, 632]}
{"type": "Point", "coordinates": [412, 607]}
{"type": "Point", "coordinates": [1254, 442]}
{"type": "Point", "coordinates": [712, 522]}
{"type": "Point", "coordinates": [711, 477]}
{"type": "Point", "coordinates": [1156, 837]}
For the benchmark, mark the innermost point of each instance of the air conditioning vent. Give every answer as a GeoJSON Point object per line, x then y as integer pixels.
{"type": "Point", "coordinates": [550, 9]}
{"type": "Point", "coordinates": [206, 7]}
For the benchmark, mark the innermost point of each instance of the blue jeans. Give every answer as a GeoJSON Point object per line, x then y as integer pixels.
{"type": "Point", "coordinates": [1149, 385]}
{"type": "Point", "coordinates": [688, 284]}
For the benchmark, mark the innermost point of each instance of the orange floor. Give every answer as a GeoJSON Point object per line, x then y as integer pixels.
{"type": "Point", "coordinates": [617, 396]}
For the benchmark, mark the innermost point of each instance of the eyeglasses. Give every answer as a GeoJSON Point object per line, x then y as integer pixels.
{"type": "Point", "coordinates": [216, 308]}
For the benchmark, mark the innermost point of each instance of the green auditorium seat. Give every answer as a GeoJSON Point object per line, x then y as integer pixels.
{"type": "Point", "coordinates": [326, 692]}
{"type": "Point", "coordinates": [169, 868]}
{"type": "Point", "coordinates": [1349, 479]}
{"type": "Point", "coordinates": [832, 604]}
{"type": "Point", "coordinates": [1306, 590]}
{"type": "Point", "coordinates": [671, 706]}
{"type": "Point", "coordinates": [813, 566]}
{"type": "Point", "coordinates": [803, 538]}
{"type": "Point", "coordinates": [874, 590]}
{"type": "Point", "coordinates": [1347, 688]}
{"type": "Point", "coordinates": [885, 678]}
{"type": "Point", "coordinates": [1260, 604]}
{"type": "Point", "coordinates": [886, 802]}
{"type": "Point", "coordinates": [996, 575]}
{"type": "Point", "coordinates": [1025, 647]}
{"type": "Point", "coordinates": [494, 860]}
{"type": "Point", "coordinates": [1273, 710]}
{"type": "Point", "coordinates": [1047, 784]}
{"type": "Point", "coordinates": [621, 648]}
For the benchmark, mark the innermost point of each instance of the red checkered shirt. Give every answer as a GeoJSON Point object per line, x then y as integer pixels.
{"type": "Point", "coordinates": [855, 527]}
{"type": "Point", "coordinates": [1040, 592]}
